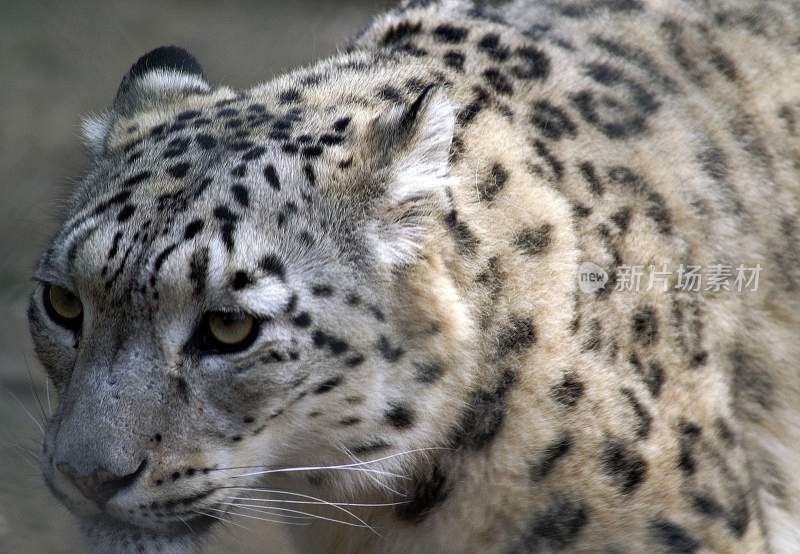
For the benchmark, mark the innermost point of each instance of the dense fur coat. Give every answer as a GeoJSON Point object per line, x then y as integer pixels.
{"type": "Point", "coordinates": [407, 222]}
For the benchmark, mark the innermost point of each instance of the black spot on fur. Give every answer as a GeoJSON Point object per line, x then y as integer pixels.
{"type": "Point", "coordinates": [241, 195]}
{"type": "Point", "coordinates": [428, 372]}
{"type": "Point", "coordinates": [621, 115]}
{"type": "Point", "coordinates": [626, 467]}
{"type": "Point", "coordinates": [391, 93]}
{"type": "Point", "coordinates": [689, 435]}
{"type": "Point", "coordinates": [652, 375]}
{"type": "Point", "coordinates": [550, 457]}
{"type": "Point", "coordinates": [176, 147]}
{"type": "Point", "coordinates": [622, 218]}
{"type": "Point", "coordinates": [328, 385]}
{"type": "Point", "coordinates": [454, 59]}
{"type": "Point", "coordinates": [498, 81]}
{"type": "Point", "coordinates": [355, 360]}
{"type": "Point", "coordinates": [400, 32]}
{"type": "Point", "coordinates": [484, 415]}
{"type": "Point", "coordinates": [388, 351]}
{"type": "Point", "coordinates": [673, 537]}
{"type": "Point", "coordinates": [187, 114]}
{"type": "Point", "coordinates": [272, 265]}
{"type": "Point", "coordinates": [638, 57]}
{"type": "Point", "coordinates": [723, 63]}
{"type": "Point", "coordinates": [198, 270]}
{"type": "Point", "coordinates": [272, 177]}
{"type": "Point", "coordinates": [322, 339]}
{"type": "Point", "coordinates": [289, 96]}
{"type": "Point", "coordinates": [725, 432]}
{"type": "Point", "coordinates": [555, 528]}
{"type": "Point", "coordinates": [588, 172]}
{"type": "Point", "coordinates": [466, 241]}
{"type": "Point", "coordinates": [193, 228]}
{"type": "Point", "coordinates": [136, 179]}
{"type": "Point", "coordinates": [491, 46]}
{"type": "Point", "coordinates": [303, 319]}
{"type": "Point", "coordinates": [330, 140]}
{"type": "Point", "coordinates": [493, 184]}
{"type": "Point", "coordinates": [160, 259]}
{"type": "Point", "coordinates": [228, 221]}
{"type": "Point", "coordinates": [287, 210]}
{"type": "Point", "coordinates": [516, 336]}
{"type": "Point", "coordinates": [568, 391]}
{"type": "Point", "coordinates": [643, 417]}
{"type": "Point", "coordinates": [399, 416]}
{"type": "Point", "coordinates": [324, 291]}
{"type": "Point", "coordinates": [369, 447]}
{"type": "Point", "coordinates": [450, 33]}
{"type": "Point", "coordinates": [556, 165]}
{"type": "Point", "coordinates": [341, 124]}
{"type": "Point", "coordinates": [480, 101]}
{"type": "Point", "coordinates": [253, 154]}
{"type": "Point", "coordinates": [534, 241]}
{"type": "Point", "coordinates": [644, 326]}
{"type": "Point", "coordinates": [535, 64]}
{"type": "Point", "coordinates": [178, 171]}
{"type": "Point", "coordinates": [312, 151]}
{"type": "Point", "coordinates": [240, 280]}
{"type": "Point", "coordinates": [552, 121]}
{"type": "Point", "coordinates": [429, 491]}
{"type": "Point", "coordinates": [126, 212]}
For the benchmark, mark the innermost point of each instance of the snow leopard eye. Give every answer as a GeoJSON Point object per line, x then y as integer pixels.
{"type": "Point", "coordinates": [63, 307]}
{"type": "Point", "coordinates": [226, 332]}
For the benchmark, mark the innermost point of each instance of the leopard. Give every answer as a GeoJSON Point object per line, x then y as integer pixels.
{"type": "Point", "coordinates": [385, 301]}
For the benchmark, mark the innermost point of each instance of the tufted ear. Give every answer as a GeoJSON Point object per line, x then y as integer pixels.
{"type": "Point", "coordinates": [158, 76]}
{"type": "Point", "coordinates": [413, 146]}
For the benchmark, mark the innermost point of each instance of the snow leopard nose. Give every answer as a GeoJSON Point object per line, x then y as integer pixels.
{"type": "Point", "coordinates": [100, 486]}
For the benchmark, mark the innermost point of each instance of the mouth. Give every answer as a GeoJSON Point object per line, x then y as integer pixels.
{"type": "Point", "coordinates": [174, 516]}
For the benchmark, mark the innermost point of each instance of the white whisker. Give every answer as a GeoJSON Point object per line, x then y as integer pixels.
{"type": "Point", "coordinates": [258, 518]}
{"type": "Point", "coordinates": [358, 504]}
{"type": "Point", "coordinates": [372, 478]}
{"type": "Point", "coordinates": [30, 415]}
{"type": "Point", "coordinates": [307, 515]}
{"type": "Point", "coordinates": [33, 390]}
{"type": "Point", "coordinates": [345, 510]}
{"type": "Point", "coordinates": [189, 527]}
{"type": "Point", "coordinates": [47, 392]}
{"type": "Point", "coordinates": [222, 519]}
{"type": "Point", "coordinates": [320, 468]}
{"type": "Point", "coordinates": [339, 466]}
{"type": "Point", "coordinates": [270, 512]}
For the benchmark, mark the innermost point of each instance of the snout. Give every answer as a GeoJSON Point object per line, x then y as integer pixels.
{"type": "Point", "coordinates": [127, 488]}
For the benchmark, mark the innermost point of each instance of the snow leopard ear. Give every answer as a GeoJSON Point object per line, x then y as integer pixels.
{"type": "Point", "coordinates": [158, 76]}
{"type": "Point", "coordinates": [412, 146]}
{"type": "Point", "coordinates": [161, 74]}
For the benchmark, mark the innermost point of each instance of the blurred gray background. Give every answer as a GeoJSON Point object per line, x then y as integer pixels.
{"type": "Point", "coordinates": [59, 60]}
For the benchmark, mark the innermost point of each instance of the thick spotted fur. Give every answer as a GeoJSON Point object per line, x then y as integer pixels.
{"type": "Point", "coordinates": [407, 220]}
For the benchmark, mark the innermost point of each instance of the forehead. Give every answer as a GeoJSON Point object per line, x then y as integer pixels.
{"type": "Point", "coordinates": [212, 186]}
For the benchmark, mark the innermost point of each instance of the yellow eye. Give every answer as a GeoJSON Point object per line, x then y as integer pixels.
{"type": "Point", "coordinates": [62, 306]}
{"type": "Point", "coordinates": [229, 331]}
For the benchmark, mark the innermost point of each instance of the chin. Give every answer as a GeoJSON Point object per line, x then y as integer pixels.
{"type": "Point", "coordinates": [108, 535]}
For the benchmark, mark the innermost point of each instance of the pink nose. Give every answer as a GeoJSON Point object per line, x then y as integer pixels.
{"type": "Point", "coordinates": [101, 485]}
